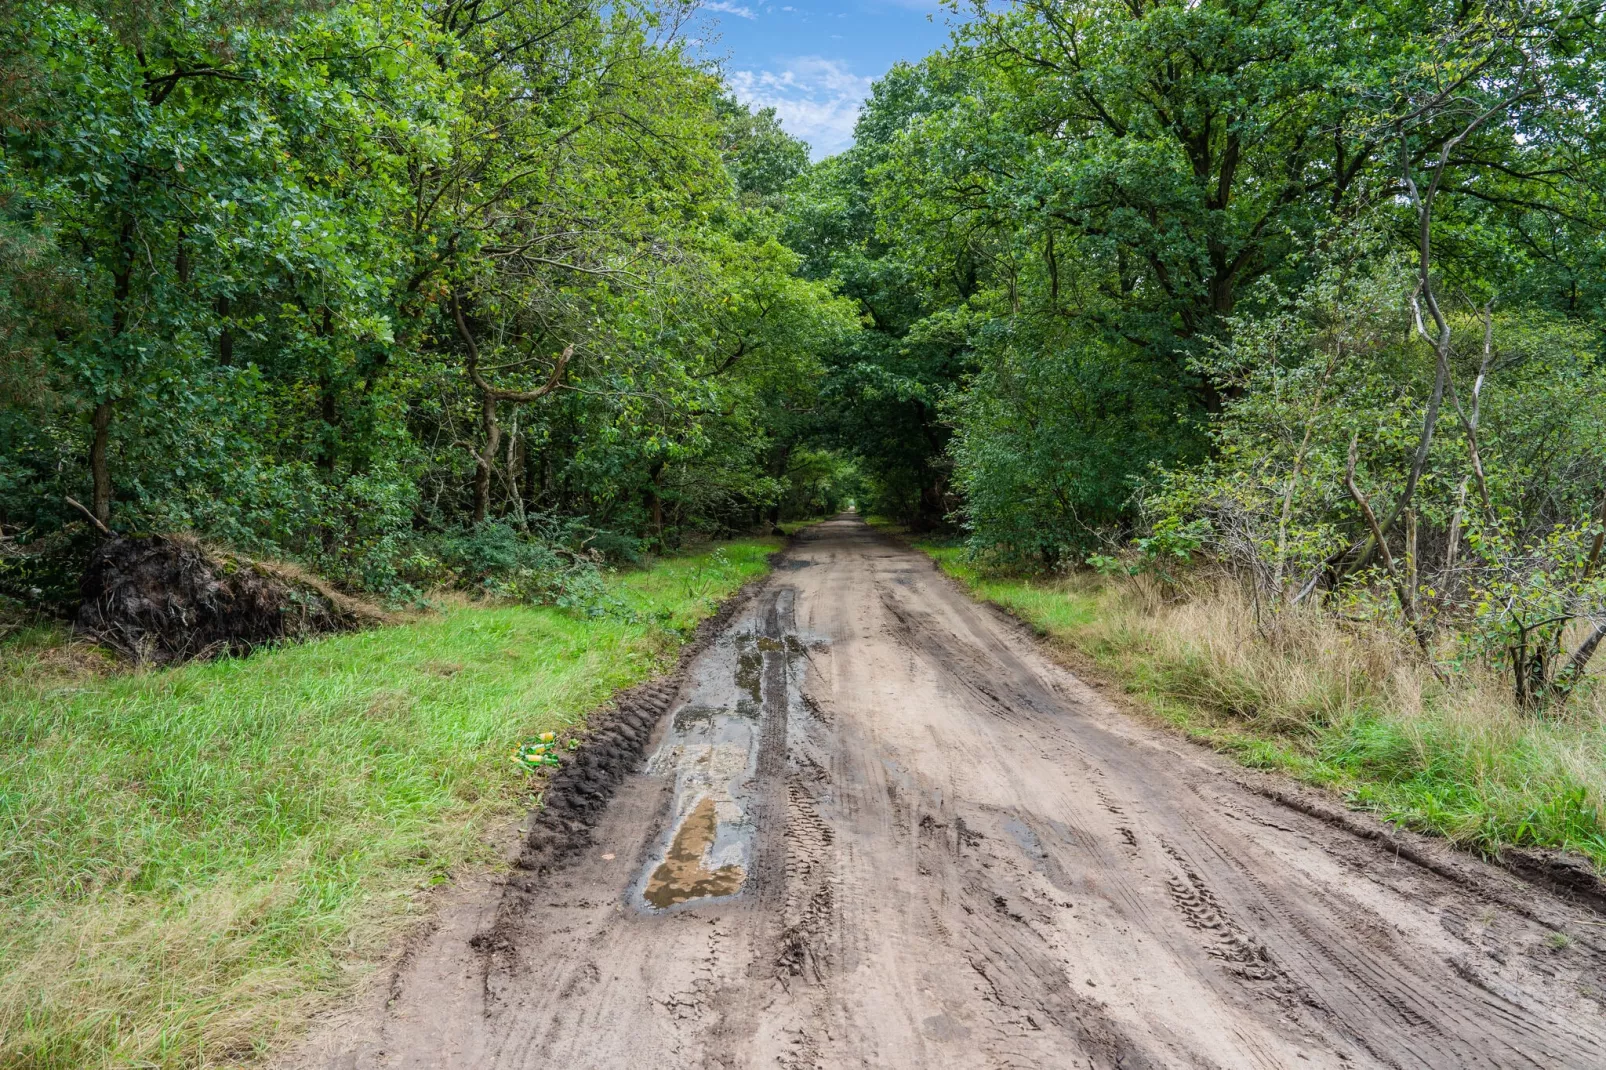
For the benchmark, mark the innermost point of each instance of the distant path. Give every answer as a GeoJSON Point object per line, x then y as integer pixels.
{"type": "Point", "coordinates": [887, 832]}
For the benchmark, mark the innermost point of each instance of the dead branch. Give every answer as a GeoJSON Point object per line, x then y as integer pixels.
{"type": "Point", "coordinates": [93, 519]}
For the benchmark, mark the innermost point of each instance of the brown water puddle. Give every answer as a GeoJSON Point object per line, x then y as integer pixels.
{"type": "Point", "coordinates": [737, 699]}
{"type": "Point", "coordinates": [682, 876]}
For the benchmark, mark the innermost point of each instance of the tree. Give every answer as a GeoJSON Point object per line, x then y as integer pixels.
{"type": "Point", "coordinates": [1089, 194]}
{"type": "Point", "coordinates": [332, 281]}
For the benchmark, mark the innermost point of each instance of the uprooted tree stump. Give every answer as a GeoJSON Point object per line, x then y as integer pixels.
{"type": "Point", "coordinates": [168, 598]}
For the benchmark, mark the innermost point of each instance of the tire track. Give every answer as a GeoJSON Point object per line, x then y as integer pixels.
{"type": "Point", "coordinates": [961, 857]}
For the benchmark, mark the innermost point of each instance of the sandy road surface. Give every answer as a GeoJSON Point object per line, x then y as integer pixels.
{"type": "Point", "coordinates": [880, 829]}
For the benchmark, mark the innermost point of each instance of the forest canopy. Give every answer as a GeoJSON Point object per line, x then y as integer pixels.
{"type": "Point", "coordinates": [398, 290]}
{"type": "Point", "coordinates": [460, 292]}
{"type": "Point", "coordinates": [1058, 220]}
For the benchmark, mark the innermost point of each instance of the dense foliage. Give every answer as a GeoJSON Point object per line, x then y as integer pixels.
{"type": "Point", "coordinates": [349, 282]}
{"type": "Point", "coordinates": [1313, 288]}
{"type": "Point", "coordinates": [452, 292]}
{"type": "Point", "coordinates": [1058, 223]}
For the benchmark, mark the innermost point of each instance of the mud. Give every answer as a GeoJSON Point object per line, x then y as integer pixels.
{"type": "Point", "coordinates": [577, 795]}
{"type": "Point", "coordinates": [871, 825]}
{"type": "Point", "coordinates": [685, 874]}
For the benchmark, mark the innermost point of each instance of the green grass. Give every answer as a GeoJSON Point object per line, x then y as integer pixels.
{"type": "Point", "coordinates": [192, 859]}
{"type": "Point", "coordinates": [1345, 712]}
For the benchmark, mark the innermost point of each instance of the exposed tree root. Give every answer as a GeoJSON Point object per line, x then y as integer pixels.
{"type": "Point", "coordinates": [168, 598]}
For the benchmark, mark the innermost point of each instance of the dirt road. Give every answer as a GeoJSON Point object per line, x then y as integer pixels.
{"type": "Point", "coordinates": [880, 829]}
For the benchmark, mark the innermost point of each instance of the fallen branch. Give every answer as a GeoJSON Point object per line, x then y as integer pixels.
{"type": "Point", "coordinates": [93, 519]}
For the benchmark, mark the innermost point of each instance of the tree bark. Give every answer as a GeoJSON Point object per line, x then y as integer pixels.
{"type": "Point", "coordinates": [1410, 561]}
{"type": "Point", "coordinates": [328, 403]}
{"type": "Point", "coordinates": [515, 466]}
{"type": "Point", "coordinates": [1453, 542]}
{"type": "Point", "coordinates": [485, 460]}
{"type": "Point", "coordinates": [781, 461]}
{"type": "Point", "coordinates": [99, 468]}
{"type": "Point", "coordinates": [1579, 662]}
{"type": "Point", "coordinates": [492, 430]}
{"type": "Point", "coordinates": [655, 502]}
{"type": "Point", "coordinates": [1407, 602]}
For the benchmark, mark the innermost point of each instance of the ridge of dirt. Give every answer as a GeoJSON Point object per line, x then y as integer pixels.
{"type": "Point", "coordinates": [1558, 872]}
{"type": "Point", "coordinates": [1437, 855]}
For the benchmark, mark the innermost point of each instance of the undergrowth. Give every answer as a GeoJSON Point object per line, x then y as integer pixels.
{"type": "Point", "coordinates": [1334, 704]}
{"type": "Point", "coordinates": [193, 859]}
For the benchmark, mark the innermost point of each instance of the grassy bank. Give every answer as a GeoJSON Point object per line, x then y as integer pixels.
{"type": "Point", "coordinates": [1335, 704]}
{"type": "Point", "coordinates": [192, 859]}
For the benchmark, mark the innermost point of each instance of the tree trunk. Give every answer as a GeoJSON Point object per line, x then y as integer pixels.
{"type": "Point", "coordinates": [99, 469]}
{"type": "Point", "coordinates": [328, 408]}
{"type": "Point", "coordinates": [1401, 592]}
{"type": "Point", "coordinates": [655, 502]}
{"type": "Point", "coordinates": [1453, 542]}
{"type": "Point", "coordinates": [1410, 561]}
{"type": "Point", "coordinates": [781, 460]}
{"type": "Point", "coordinates": [101, 421]}
{"type": "Point", "coordinates": [1579, 663]}
{"type": "Point", "coordinates": [327, 412]}
{"type": "Point", "coordinates": [515, 466]}
{"type": "Point", "coordinates": [483, 462]}
{"type": "Point", "coordinates": [930, 512]}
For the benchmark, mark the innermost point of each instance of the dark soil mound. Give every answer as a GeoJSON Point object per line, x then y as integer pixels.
{"type": "Point", "coordinates": [167, 598]}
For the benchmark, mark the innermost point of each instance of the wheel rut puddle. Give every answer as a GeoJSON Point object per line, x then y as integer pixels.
{"type": "Point", "coordinates": [683, 875]}
{"type": "Point", "coordinates": [713, 751]}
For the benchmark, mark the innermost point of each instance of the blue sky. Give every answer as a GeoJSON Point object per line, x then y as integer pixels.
{"type": "Point", "coordinates": [814, 60]}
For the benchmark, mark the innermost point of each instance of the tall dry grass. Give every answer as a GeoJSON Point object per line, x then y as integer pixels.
{"type": "Point", "coordinates": [1348, 704]}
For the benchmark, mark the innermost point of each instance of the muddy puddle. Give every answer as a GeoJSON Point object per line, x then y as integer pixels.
{"type": "Point", "coordinates": [744, 688]}
{"type": "Point", "coordinates": [684, 875]}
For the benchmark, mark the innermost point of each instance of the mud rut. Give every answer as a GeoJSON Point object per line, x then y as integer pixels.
{"type": "Point", "coordinates": [878, 828]}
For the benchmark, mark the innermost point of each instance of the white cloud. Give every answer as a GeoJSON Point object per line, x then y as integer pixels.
{"type": "Point", "coordinates": [725, 7]}
{"type": "Point", "coordinates": [816, 99]}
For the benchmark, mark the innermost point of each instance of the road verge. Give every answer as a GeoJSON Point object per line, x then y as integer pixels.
{"type": "Point", "coordinates": [1520, 792]}
{"type": "Point", "coordinates": [199, 857]}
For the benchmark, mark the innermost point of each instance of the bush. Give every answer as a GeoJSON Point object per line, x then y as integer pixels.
{"type": "Point", "coordinates": [496, 559]}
